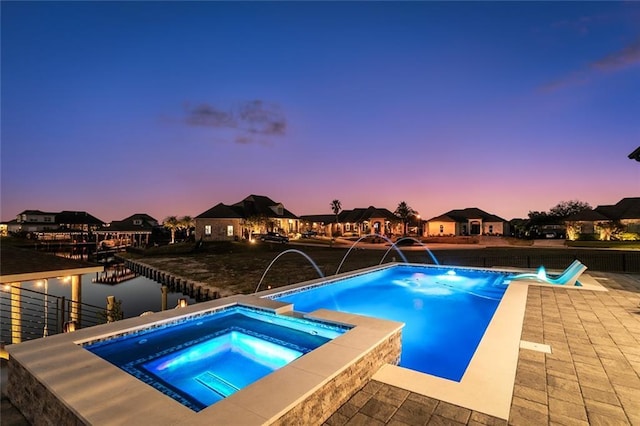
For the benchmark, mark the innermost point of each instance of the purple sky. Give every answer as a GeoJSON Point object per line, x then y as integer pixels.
{"type": "Point", "coordinates": [168, 108]}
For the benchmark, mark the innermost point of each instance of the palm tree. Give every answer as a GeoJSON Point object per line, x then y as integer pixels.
{"type": "Point", "coordinates": [336, 206]}
{"type": "Point", "coordinates": [172, 223]}
{"type": "Point", "coordinates": [187, 223]}
{"type": "Point", "coordinates": [404, 212]}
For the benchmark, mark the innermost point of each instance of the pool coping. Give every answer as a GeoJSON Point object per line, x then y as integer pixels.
{"type": "Point", "coordinates": [97, 392]}
{"type": "Point", "coordinates": [488, 383]}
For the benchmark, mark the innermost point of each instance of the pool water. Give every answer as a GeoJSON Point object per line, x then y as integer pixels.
{"type": "Point", "coordinates": [203, 359]}
{"type": "Point", "coordinates": [445, 310]}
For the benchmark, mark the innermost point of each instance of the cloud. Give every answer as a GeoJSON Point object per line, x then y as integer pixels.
{"type": "Point", "coordinates": [248, 119]}
{"type": "Point", "coordinates": [207, 115]}
{"type": "Point", "coordinates": [626, 57]}
{"type": "Point", "coordinates": [621, 59]}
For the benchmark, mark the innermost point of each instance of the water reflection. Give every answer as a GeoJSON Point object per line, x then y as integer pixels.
{"type": "Point", "coordinates": [138, 295]}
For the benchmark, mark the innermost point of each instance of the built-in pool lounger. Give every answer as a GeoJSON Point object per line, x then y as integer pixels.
{"type": "Point", "coordinates": [569, 277]}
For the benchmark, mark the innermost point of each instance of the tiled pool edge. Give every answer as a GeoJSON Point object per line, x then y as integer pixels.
{"type": "Point", "coordinates": [55, 381]}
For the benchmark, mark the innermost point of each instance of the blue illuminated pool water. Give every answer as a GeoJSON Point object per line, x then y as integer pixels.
{"type": "Point", "coordinates": [446, 310]}
{"type": "Point", "coordinates": [202, 359]}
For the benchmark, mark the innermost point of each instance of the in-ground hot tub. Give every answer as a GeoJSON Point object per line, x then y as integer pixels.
{"type": "Point", "coordinates": [202, 359]}
{"type": "Point", "coordinates": [302, 366]}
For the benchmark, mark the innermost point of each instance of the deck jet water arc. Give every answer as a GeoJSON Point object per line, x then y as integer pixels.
{"type": "Point", "coordinates": [417, 241]}
{"type": "Point", "coordinates": [362, 238]}
{"type": "Point", "coordinates": [283, 253]}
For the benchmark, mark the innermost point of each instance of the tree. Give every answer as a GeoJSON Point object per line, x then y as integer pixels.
{"type": "Point", "coordinates": [258, 221]}
{"type": "Point", "coordinates": [336, 206]}
{"type": "Point", "coordinates": [186, 223]}
{"type": "Point", "coordinates": [566, 208]}
{"type": "Point", "coordinates": [172, 223]}
{"type": "Point", "coordinates": [404, 212]}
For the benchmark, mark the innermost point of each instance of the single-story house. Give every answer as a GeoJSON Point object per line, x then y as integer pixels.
{"type": "Point", "coordinates": [469, 221]}
{"type": "Point", "coordinates": [356, 222]}
{"type": "Point", "coordinates": [254, 214]}
{"type": "Point", "coordinates": [606, 220]}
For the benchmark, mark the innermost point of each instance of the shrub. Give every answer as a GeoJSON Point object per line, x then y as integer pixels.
{"type": "Point", "coordinates": [627, 236]}
{"type": "Point", "coordinates": [587, 237]}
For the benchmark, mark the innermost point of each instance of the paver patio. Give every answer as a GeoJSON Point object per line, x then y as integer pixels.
{"type": "Point", "coordinates": [591, 376]}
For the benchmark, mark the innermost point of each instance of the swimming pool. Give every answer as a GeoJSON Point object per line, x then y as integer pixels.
{"type": "Point", "coordinates": [202, 359]}
{"type": "Point", "coordinates": [445, 310]}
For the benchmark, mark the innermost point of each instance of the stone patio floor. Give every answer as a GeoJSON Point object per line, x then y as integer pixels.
{"type": "Point", "coordinates": [592, 376]}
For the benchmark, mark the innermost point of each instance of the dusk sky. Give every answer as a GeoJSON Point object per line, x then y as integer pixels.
{"type": "Point", "coordinates": [169, 108]}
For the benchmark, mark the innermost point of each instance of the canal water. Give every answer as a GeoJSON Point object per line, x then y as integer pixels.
{"type": "Point", "coordinates": [138, 295]}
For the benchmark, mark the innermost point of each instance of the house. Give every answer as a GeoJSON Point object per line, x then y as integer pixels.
{"type": "Point", "coordinates": [607, 220]}
{"type": "Point", "coordinates": [356, 222]}
{"type": "Point", "coordinates": [135, 230]}
{"type": "Point", "coordinates": [469, 221]}
{"type": "Point", "coordinates": [64, 225]}
{"type": "Point", "coordinates": [36, 220]}
{"type": "Point", "coordinates": [256, 214]}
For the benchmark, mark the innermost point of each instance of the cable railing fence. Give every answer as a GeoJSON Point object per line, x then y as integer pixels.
{"type": "Point", "coordinates": [27, 314]}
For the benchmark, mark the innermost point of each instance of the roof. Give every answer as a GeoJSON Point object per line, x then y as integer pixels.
{"type": "Point", "coordinates": [319, 218]}
{"type": "Point", "coordinates": [463, 215]}
{"type": "Point", "coordinates": [139, 216]}
{"type": "Point", "coordinates": [36, 212]}
{"type": "Point", "coordinates": [220, 211]}
{"type": "Point", "coordinates": [352, 216]}
{"type": "Point", "coordinates": [587, 215]}
{"type": "Point", "coordinates": [73, 217]}
{"type": "Point", "coordinates": [627, 208]}
{"type": "Point", "coordinates": [251, 206]}
{"type": "Point", "coordinates": [362, 215]}
{"type": "Point", "coordinates": [20, 264]}
{"type": "Point", "coordinates": [127, 225]}
{"type": "Point", "coordinates": [635, 155]}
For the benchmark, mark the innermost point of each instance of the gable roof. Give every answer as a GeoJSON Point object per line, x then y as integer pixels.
{"type": "Point", "coordinates": [253, 205]}
{"type": "Point", "coordinates": [139, 216]}
{"type": "Point", "coordinates": [464, 215]}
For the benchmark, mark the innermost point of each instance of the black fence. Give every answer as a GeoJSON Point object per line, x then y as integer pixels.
{"type": "Point", "coordinates": [604, 261]}
{"type": "Point", "coordinates": [33, 314]}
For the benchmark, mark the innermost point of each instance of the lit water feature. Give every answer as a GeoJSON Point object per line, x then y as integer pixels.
{"type": "Point", "coordinates": [204, 358]}
{"type": "Point", "coordinates": [446, 310]}
{"type": "Point", "coordinates": [362, 238]}
{"type": "Point", "coordinates": [413, 239]}
{"type": "Point", "coordinates": [283, 253]}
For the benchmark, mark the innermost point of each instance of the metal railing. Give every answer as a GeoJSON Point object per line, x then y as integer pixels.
{"type": "Point", "coordinates": [29, 314]}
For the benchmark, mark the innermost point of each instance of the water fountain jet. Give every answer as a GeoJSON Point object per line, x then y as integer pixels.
{"type": "Point", "coordinates": [362, 238]}
{"type": "Point", "coordinates": [283, 253]}
{"type": "Point", "coordinates": [417, 241]}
